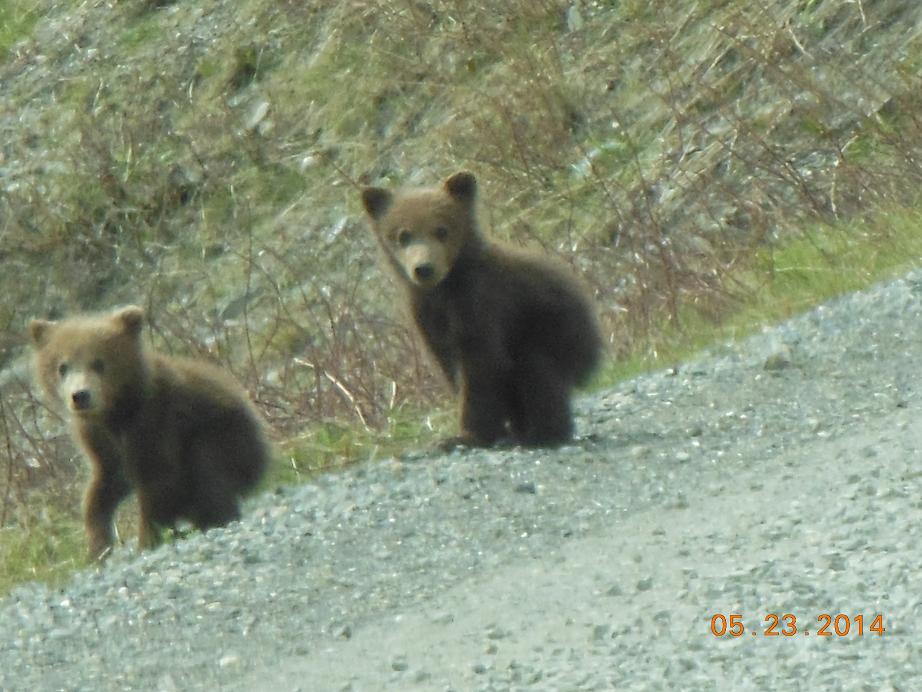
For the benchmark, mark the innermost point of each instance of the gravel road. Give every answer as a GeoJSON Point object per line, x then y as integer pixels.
{"type": "Point", "coordinates": [776, 475]}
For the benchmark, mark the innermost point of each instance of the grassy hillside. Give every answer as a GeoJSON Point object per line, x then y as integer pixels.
{"type": "Point", "coordinates": [705, 165]}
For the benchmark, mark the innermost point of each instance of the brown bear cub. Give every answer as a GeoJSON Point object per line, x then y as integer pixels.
{"type": "Point", "coordinates": [512, 330]}
{"type": "Point", "coordinates": [180, 433]}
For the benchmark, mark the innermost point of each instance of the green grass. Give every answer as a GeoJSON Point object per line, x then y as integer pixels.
{"type": "Point", "coordinates": [48, 551]}
{"type": "Point", "coordinates": [784, 280]}
{"type": "Point", "coordinates": [334, 446]}
{"type": "Point", "coordinates": [17, 17]}
{"type": "Point", "coordinates": [141, 32]}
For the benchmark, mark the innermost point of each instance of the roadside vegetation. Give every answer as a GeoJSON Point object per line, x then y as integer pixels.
{"type": "Point", "coordinates": [707, 166]}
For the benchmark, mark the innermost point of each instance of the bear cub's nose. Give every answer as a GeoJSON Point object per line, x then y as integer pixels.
{"type": "Point", "coordinates": [424, 272]}
{"type": "Point", "coordinates": [81, 399]}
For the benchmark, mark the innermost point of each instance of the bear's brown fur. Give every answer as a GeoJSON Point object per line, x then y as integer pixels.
{"type": "Point", "coordinates": [513, 330]}
{"type": "Point", "coordinates": [180, 433]}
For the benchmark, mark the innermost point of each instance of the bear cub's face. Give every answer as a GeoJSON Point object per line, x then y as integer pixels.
{"type": "Point", "coordinates": [423, 231]}
{"type": "Point", "coordinates": [83, 363]}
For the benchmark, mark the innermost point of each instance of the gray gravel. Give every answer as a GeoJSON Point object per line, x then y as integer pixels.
{"type": "Point", "coordinates": [777, 475]}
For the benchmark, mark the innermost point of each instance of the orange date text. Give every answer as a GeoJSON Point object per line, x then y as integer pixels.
{"type": "Point", "coordinates": [787, 625]}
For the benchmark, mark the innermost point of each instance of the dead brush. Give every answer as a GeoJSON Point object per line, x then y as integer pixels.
{"type": "Point", "coordinates": [688, 195]}
{"type": "Point", "coordinates": [35, 461]}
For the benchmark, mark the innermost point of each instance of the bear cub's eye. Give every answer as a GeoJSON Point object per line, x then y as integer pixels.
{"type": "Point", "coordinates": [441, 233]}
{"type": "Point", "coordinates": [62, 369]}
{"type": "Point", "coordinates": [97, 366]}
{"type": "Point", "coordinates": [404, 238]}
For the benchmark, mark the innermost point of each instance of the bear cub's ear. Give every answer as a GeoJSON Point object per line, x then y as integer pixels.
{"type": "Point", "coordinates": [39, 330]}
{"type": "Point", "coordinates": [462, 186]}
{"type": "Point", "coordinates": [377, 200]}
{"type": "Point", "coordinates": [131, 319]}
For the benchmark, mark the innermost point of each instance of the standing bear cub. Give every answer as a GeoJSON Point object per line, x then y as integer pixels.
{"type": "Point", "coordinates": [180, 433]}
{"type": "Point", "coordinates": [513, 331]}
